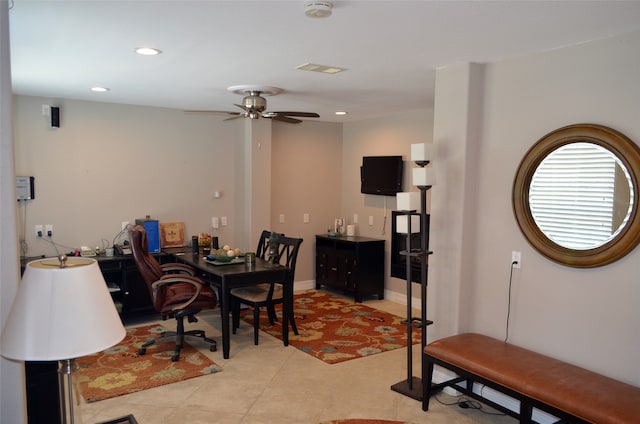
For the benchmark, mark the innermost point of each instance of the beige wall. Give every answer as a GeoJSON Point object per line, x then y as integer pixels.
{"type": "Point", "coordinates": [588, 317]}
{"type": "Point", "coordinates": [306, 178]}
{"type": "Point", "coordinates": [111, 163]}
{"type": "Point", "coordinates": [391, 135]}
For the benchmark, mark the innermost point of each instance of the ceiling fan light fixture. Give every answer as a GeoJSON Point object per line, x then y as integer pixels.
{"type": "Point", "coordinates": [318, 9]}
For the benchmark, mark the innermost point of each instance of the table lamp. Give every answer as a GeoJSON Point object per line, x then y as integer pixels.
{"type": "Point", "coordinates": [62, 311]}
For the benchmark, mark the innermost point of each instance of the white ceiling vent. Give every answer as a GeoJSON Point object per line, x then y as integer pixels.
{"type": "Point", "coordinates": [314, 67]}
{"type": "Point", "coordinates": [318, 9]}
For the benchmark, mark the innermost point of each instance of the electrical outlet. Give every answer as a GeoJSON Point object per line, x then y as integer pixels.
{"type": "Point", "coordinates": [223, 221]}
{"type": "Point", "coordinates": [48, 230]}
{"type": "Point", "coordinates": [215, 223]}
{"type": "Point", "coordinates": [282, 218]}
{"type": "Point", "coordinates": [370, 219]}
{"type": "Point", "coordinates": [355, 218]}
{"type": "Point", "coordinates": [305, 218]}
{"type": "Point", "coordinates": [516, 259]}
{"type": "Point", "coordinates": [124, 224]}
{"type": "Point", "coordinates": [39, 232]}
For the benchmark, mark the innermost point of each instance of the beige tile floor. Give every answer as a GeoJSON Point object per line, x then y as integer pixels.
{"type": "Point", "coordinates": [271, 383]}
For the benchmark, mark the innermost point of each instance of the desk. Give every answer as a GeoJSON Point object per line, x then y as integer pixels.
{"type": "Point", "coordinates": [226, 277]}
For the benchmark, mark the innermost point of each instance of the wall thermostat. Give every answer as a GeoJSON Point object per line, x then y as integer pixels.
{"type": "Point", "coordinates": [24, 188]}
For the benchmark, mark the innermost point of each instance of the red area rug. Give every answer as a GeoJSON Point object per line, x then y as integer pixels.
{"type": "Point", "coordinates": [363, 421]}
{"type": "Point", "coordinates": [334, 329]}
{"type": "Point", "coordinates": [121, 370]}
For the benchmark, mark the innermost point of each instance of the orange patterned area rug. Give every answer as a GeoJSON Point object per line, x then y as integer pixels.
{"type": "Point", "coordinates": [121, 370]}
{"type": "Point", "coordinates": [363, 421]}
{"type": "Point", "coordinates": [334, 329]}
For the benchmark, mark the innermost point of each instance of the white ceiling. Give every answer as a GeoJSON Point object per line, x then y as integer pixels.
{"type": "Point", "coordinates": [59, 49]}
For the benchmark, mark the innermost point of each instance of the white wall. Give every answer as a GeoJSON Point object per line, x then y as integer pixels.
{"type": "Point", "coordinates": [588, 317]}
{"type": "Point", "coordinates": [12, 374]}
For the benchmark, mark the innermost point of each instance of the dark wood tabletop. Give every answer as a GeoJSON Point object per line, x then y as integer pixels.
{"type": "Point", "coordinates": [224, 277]}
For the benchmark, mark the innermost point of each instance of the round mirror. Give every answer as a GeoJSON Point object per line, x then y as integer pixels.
{"type": "Point", "coordinates": [575, 195]}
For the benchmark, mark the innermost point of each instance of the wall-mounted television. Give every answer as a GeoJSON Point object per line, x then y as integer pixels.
{"type": "Point", "coordinates": [381, 175]}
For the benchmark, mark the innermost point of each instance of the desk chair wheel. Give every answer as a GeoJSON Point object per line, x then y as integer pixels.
{"type": "Point", "coordinates": [213, 348]}
{"type": "Point", "coordinates": [142, 351]}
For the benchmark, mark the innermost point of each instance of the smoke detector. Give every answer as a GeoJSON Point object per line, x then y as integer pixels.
{"type": "Point", "coordinates": [318, 9]}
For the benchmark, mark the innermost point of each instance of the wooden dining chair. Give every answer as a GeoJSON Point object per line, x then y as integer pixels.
{"type": "Point", "coordinates": [267, 295]}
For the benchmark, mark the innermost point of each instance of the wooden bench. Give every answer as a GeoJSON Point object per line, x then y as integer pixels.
{"type": "Point", "coordinates": [571, 393]}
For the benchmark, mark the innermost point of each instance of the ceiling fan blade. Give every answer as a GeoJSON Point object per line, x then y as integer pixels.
{"type": "Point", "coordinates": [246, 109]}
{"type": "Point", "coordinates": [211, 111]}
{"type": "Point", "coordinates": [302, 114]}
{"type": "Point", "coordinates": [239, 115]}
{"type": "Point", "coordinates": [282, 118]}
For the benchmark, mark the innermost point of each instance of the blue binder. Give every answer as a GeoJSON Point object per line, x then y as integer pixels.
{"type": "Point", "coordinates": [152, 227]}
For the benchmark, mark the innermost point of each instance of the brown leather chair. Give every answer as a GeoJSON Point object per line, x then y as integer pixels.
{"type": "Point", "coordinates": [175, 291]}
{"type": "Point", "coordinates": [267, 294]}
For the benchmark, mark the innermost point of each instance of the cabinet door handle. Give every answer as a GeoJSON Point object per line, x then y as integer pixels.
{"type": "Point", "coordinates": [334, 269]}
{"type": "Point", "coordinates": [126, 293]}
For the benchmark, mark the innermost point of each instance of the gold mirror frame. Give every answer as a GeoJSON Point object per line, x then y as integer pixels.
{"type": "Point", "coordinates": [618, 144]}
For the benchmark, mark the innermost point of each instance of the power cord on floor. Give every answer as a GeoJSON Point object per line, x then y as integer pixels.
{"type": "Point", "coordinates": [467, 403]}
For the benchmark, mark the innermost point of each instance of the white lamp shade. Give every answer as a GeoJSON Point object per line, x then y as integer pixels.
{"type": "Point", "coordinates": [61, 313]}
{"type": "Point", "coordinates": [408, 201]}
{"type": "Point", "coordinates": [422, 152]}
{"type": "Point", "coordinates": [424, 176]}
{"type": "Point", "coordinates": [402, 224]}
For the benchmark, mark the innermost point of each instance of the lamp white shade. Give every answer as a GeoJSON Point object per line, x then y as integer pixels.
{"type": "Point", "coordinates": [424, 176]}
{"type": "Point", "coordinates": [408, 201]}
{"type": "Point", "coordinates": [422, 152]}
{"type": "Point", "coordinates": [61, 313]}
{"type": "Point", "coordinates": [402, 224]}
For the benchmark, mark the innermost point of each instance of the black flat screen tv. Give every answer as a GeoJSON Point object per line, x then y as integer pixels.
{"type": "Point", "coordinates": [381, 175]}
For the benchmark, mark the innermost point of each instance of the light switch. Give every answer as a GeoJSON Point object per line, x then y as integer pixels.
{"type": "Point", "coordinates": [305, 218]}
{"type": "Point", "coordinates": [223, 221]}
{"type": "Point", "coordinates": [355, 218]}
{"type": "Point", "coordinates": [282, 218]}
{"type": "Point", "coordinates": [214, 222]}
{"type": "Point", "coordinates": [370, 219]}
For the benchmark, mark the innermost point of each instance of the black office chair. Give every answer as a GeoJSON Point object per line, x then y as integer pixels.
{"type": "Point", "coordinates": [175, 292]}
{"type": "Point", "coordinates": [267, 294]}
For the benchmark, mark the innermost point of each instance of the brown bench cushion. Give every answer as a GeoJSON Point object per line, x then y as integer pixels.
{"type": "Point", "coordinates": [582, 393]}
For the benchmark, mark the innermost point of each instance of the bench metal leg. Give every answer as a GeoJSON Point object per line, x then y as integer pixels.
{"type": "Point", "coordinates": [426, 385]}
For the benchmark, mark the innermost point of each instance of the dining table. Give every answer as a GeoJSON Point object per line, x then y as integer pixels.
{"type": "Point", "coordinates": [225, 276]}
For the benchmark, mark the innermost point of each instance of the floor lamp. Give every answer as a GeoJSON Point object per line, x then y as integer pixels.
{"type": "Point", "coordinates": [63, 311]}
{"type": "Point", "coordinates": [413, 218]}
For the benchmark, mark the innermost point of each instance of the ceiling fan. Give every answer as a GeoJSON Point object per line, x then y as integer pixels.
{"type": "Point", "coordinates": [254, 105]}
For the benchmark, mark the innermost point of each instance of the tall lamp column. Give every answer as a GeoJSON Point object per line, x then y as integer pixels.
{"type": "Point", "coordinates": [411, 221]}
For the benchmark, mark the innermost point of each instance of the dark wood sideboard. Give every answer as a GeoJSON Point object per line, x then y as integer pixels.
{"type": "Point", "coordinates": [353, 264]}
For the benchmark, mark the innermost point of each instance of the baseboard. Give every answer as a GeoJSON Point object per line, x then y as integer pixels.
{"type": "Point", "coordinates": [305, 285]}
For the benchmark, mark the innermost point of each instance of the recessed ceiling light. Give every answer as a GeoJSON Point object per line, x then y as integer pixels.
{"type": "Point", "coordinates": [99, 89]}
{"type": "Point", "coordinates": [147, 51]}
{"type": "Point", "coordinates": [340, 112]}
